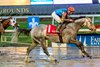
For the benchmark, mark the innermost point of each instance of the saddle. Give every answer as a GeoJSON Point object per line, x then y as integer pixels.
{"type": "Point", "coordinates": [51, 30]}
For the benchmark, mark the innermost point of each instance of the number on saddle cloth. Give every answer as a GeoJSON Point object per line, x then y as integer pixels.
{"type": "Point", "coordinates": [51, 29]}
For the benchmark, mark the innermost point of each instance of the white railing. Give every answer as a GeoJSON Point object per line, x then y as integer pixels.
{"type": "Point", "coordinates": [4, 38]}
{"type": "Point", "coordinates": [49, 16]}
{"type": "Point", "coordinates": [12, 31]}
{"type": "Point", "coordinates": [97, 30]}
{"type": "Point", "coordinates": [9, 31]}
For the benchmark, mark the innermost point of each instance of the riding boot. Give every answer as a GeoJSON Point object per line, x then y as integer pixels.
{"type": "Point", "coordinates": [59, 32]}
{"type": "Point", "coordinates": [62, 28]}
{"type": "Point", "coordinates": [59, 27]}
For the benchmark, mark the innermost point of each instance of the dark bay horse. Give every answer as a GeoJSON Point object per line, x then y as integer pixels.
{"type": "Point", "coordinates": [5, 23]}
{"type": "Point", "coordinates": [69, 34]}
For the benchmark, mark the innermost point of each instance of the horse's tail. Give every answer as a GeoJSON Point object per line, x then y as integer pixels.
{"type": "Point", "coordinates": [25, 31]}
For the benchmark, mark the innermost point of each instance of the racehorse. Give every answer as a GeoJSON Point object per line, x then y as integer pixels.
{"type": "Point", "coordinates": [69, 34]}
{"type": "Point", "coordinates": [5, 23]}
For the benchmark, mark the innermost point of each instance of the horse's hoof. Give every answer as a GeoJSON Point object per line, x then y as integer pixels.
{"type": "Point", "coordinates": [27, 59]}
{"type": "Point", "coordinates": [56, 61]}
{"type": "Point", "coordinates": [83, 56]}
{"type": "Point", "coordinates": [90, 57]}
{"type": "Point", "coordinates": [32, 61]}
{"type": "Point", "coordinates": [52, 58]}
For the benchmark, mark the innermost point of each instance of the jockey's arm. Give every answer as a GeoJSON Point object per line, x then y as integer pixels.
{"type": "Point", "coordinates": [63, 16]}
{"type": "Point", "coordinates": [65, 19]}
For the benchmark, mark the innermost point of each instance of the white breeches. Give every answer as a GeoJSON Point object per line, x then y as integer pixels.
{"type": "Point", "coordinates": [56, 17]}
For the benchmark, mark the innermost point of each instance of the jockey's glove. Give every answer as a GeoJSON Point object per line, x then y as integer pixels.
{"type": "Point", "coordinates": [69, 20]}
{"type": "Point", "coordinates": [62, 20]}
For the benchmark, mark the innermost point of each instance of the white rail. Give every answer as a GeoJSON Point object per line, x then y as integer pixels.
{"type": "Point", "coordinates": [48, 16]}
{"type": "Point", "coordinates": [9, 31]}
{"type": "Point", "coordinates": [86, 30]}
{"type": "Point", "coordinates": [12, 31]}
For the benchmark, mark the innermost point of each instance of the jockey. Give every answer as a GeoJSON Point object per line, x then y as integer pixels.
{"type": "Point", "coordinates": [61, 14]}
{"type": "Point", "coordinates": [1, 26]}
{"type": "Point", "coordinates": [0, 20]}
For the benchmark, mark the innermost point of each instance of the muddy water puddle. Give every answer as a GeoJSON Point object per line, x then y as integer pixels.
{"type": "Point", "coordinates": [67, 57]}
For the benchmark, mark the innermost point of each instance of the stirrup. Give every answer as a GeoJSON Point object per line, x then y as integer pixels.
{"type": "Point", "coordinates": [58, 32]}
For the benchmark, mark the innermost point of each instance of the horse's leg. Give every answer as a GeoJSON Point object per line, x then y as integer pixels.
{"type": "Point", "coordinates": [43, 44]}
{"type": "Point", "coordinates": [0, 36]}
{"type": "Point", "coordinates": [81, 47]}
{"type": "Point", "coordinates": [29, 49]}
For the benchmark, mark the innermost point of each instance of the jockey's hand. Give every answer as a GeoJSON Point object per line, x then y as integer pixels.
{"type": "Point", "coordinates": [70, 20]}
{"type": "Point", "coordinates": [62, 20]}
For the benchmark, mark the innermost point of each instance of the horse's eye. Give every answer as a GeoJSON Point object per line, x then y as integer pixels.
{"type": "Point", "coordinates": [13, 21]}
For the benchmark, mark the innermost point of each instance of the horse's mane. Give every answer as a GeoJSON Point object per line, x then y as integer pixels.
{"type": "Point", "coordinates": [77, 21]}
{"type": "Point", "coordinates": [3, 20]}
{"type": "Point", "coordinates": [78, 17]}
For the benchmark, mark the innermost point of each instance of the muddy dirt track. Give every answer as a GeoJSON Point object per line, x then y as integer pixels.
{"type": "Point", "coordinates": [67, 57]}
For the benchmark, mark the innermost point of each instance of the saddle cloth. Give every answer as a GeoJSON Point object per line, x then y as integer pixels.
{"type": "Point", "coordinates": [51, 29]}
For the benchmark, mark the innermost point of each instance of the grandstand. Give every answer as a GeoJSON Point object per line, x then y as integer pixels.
{"type": "Point", "coordinates": [48, 9]}
{"type": "Point", "coordinates": [80, 9]}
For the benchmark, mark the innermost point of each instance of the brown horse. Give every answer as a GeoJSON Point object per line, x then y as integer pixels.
{"type": "Point", "coordinates": [5, 23]}
{"type": "Point", "coordinates": [1, 27]}
{"type": "Point", "coordinates": [69, 34]}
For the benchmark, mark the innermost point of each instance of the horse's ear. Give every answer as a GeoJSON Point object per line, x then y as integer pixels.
{"type": "Point", "coordinates": [10, 17]}
{"type": "Point", "coordinates": [89, 17]}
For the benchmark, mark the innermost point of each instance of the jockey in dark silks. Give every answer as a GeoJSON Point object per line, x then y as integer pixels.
{"type": "Point", "coordinates": [0, 21]}
{"type": "Point", "coordinates": [61, 15]}
{"type": "Point", "coordinates": [1, 27]}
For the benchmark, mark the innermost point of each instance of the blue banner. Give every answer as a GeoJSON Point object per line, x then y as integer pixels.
{"type": "Point", "coordinates": [33, 21]}
{"type": "Point", "coordinates": [88, 39]}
